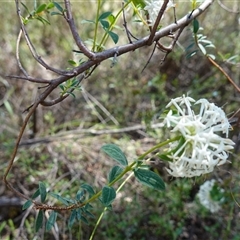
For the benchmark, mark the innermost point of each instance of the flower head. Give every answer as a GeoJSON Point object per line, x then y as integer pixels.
{"type": "Point", "coordinates": [200, 147]}
{"type": "Point", "coordinates": [153, 7]}
{"type": "Point", "coordinates": [206, 195]}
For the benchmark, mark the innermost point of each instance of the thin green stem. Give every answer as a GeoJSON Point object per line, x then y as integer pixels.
{"type": "Point", "coordinates": [158, 146]}
{"type": "Point", "coordinates": [127, 169]}
{"type": "Point", "coordinates": [131, 167]}
{"type": "Point", "coordinates": [96, 26]}
{"type": "Point", "coordinates": [139, 15]}
{"type": "Point", "coordinates": [106, 35]}
{"type": "Point", "coordinates": [104, 210]}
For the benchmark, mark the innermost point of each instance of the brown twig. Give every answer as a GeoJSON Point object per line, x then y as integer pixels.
{"type": "Point", "coordinates": [155, 26]}
{"type": "Point", "coordinates": [30, 79]}
{"type": "Point", "coordinates": [75, 34]}
{"type": "Point", "coordinates": [224, 73]}
{"type": "Point", "coordinates": [94, 60]}
{"type": "Point", "coordinates": [32, 48]}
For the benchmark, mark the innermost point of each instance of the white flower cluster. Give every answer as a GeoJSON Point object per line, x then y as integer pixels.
{"type": "Point", "coordinates": [200, 148]}
{"type": "Point", "coordinates": [153, 7]}
{"type": "Point", "coordinates": [205, 198]}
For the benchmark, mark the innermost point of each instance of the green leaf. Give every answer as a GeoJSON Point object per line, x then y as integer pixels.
{"type": "Point", "coordinates": [51, 220]}
{"type": "Point", "coordinates": [88, 206]}
{"type": "Point", "coordinates": [139, 3]}
{"type": "Point", "coordinates": [72, 62]}
{"type": "Point", "coordinates": [72, 218]}
{"type": "Point", "coordinates": [41, 8]}
{"type": "Point", "coordinates": [88, 188]}
{"type": "Point", "coordinates": [43, 191]}
{"type": "Point", "coordinates": [190, 46]}
{"type": "Point", "coordinates": [189, 55]}
{"type": "Point", "coordinates": [61, 199]}
{"type": "Point", "coordinates": [50, 5]}
{"type": "Point", "coordinates": [26, 8]}
{"type": "Point", "coordinates": [78, 214]}
{"type": "Point", "coordinates": [111, 19]}
{"type": "Point", "coordinates": [27, 204]}
{"type": "Point", "coordinates": [149, 179]}
{"type": "Point", "coordinates": [104, 15]}
{"type": "Point", "coordinates": [84, 220]}
{"type": "Point", "coordinates": [202, 48]}
{"type": "Point", "coordinates": [115, 171]}
{"type": "Point", "coordinates": [195, 25]}
{"type": "Point", "coordinates": [80, 195]}
{"type": "Point", "coordinates": [87, 21]}
{"type": "Point", "coordinates": [8, 107]}
{"type": "Point", "coordinates": [58, 6]}
{"type": "Point", "coordinates": [36, 194]}
{"type": "Point", "coordinates": [55, 13]}
{"type": "Point", "coordinates": [39, 220]}
{"type": "Point", "coordinates": [116, 153]}
{"type": "Point", "coordinates": [211, 56]}
{"type": "Point", "coordinates": [105, 24]}
{"type": "Point", "coordinates": [114, 36]}
{"type": "Point", "coordinates": [90, 214]}
{"type": "Point", "coordinates": [43, 20]}
{"type": "Point", "coordinates": [164, 157]}
{"type": "Point", "coordinates": [108, 195]}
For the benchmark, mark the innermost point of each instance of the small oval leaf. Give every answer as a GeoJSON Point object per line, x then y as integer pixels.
{"type": "Point", "coordinates": [80, 195]}
{"type": "Point", "coordinates": [36, 194]}
{"type": "Point", "coordinates": [113, 36]}
{"type": "Point", "coordinates": [202, 48]}
{"type": "Point", "coordinates": [39, 220]}
{"type": "Point", "coordinates": [43, 191]}
{"type": "Point", "coordinates": [115, 171]}
{"type": "Point", "coordinates": [51, 220]}
{"type": "Point", "coordinates": [27, 204]}
{"type": "Point", "coordinates": [104, 15]}
{"type": "Point", "coordinates": [88, 188]}
{"type": "Point", "coordinates": [108, 195]}
{"type": "Point", "coordinates": [116, 153]}
{"type": "Point", "coordinates": [105, 24]}
{"type": "Point", "coordinates": [41, 8]}
{"type": "Point", "coordinates": [63, 200]}
{"type": "Point", "coordinates": [72, 218]}
{"type": "Point", "coordinates": [58, 6]}
{"type": "Point", "coordinates": [195, 25]}
{"type": "Point", "coordinates": [149, 179]}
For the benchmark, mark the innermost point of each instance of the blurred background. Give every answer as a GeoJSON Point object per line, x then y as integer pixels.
{"type": "Point", "coordinates": [61, 145]}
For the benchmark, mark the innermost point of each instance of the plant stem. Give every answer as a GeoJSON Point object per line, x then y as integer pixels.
{"type": "Point", "coordinates": [96, 26]}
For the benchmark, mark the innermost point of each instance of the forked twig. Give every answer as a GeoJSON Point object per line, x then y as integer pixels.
{"type": "Point", "coordinates": [75, 34]}
{"type": "Point", "coordinates": [32, 48]}
{"type": "Point", "coordinates": [94, 60]}
{"type": "Point", "coordinates": [155, 26]}
{"type": "Point", "coordinates": [224, 73]}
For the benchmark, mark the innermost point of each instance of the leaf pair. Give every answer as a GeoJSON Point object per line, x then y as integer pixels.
{"type": "Point", "coordinates": [144, 176]}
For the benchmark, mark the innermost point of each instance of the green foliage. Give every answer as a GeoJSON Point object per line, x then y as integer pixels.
{"type": "Point", "coordinates": [51, 220]}
{"type": "Point", "coordinates": [37, 13]}
{"type": "Point", "coordinates": [115, 171]}
{"type": "Point", "coordinates": [140, 3]}
{"type": "Point", "coordinates": [149, 178]}
{"type": "Point", "coordinates": [43, 191]}
{"type": "Point", "coordinates": [108, 195]}
{"type": "Point", "coordinates": [199, 42]}
{"type": "Point", "coordinates": [39, 220]}
{"type": "Point", "coordinates": [63, 200]}
{"type": "Point", "coordinates": [27, 204]}
{"type": "Point", "coordinates": [88, 188]}
{"type": "Point", "coordinates": [69, 86]}
{"type": "Point", "coordinates": [195, 26]}
{"type": "Point", "coordinates": [115, 153]}
{"type": "Point", "coordinates": [135, 96]}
